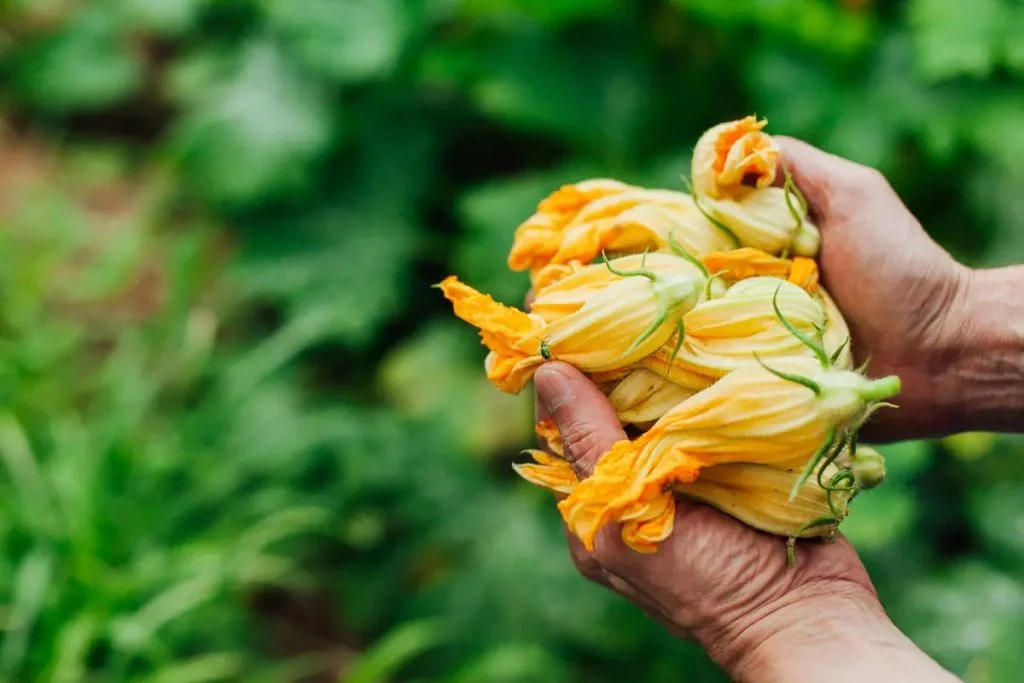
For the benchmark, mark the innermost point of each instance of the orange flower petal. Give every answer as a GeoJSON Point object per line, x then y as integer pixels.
{"type": "Point", "coordinates": [745, 263]}
{"type": "Point", "coordinates": [551, 473]}
{"type": "Point", "coordinates": [540, 236]}
{"type": "Point", "coordinates": [626, 481]}
{"type": "Point", "coordinates": [507, 332]}
{"type": "Point", "coordinates": [804, 273]}
{"type": "Point", "coordinates": [733, 157]}
{"type": "Point", "coordinates": [547, 432]}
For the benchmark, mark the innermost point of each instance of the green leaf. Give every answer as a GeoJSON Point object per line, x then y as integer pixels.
{"type": "Point", "coordinates": [162, 17]}
{"type": "Point", "coordinates": [256, 126]}
{"type": "Point", "coordinates": [215, 667]}
{"type": "Point", "coordinates": [349, 40]}
{"type": "Point", "coordinates": [512, 663]}
{"type": "Point", "coordinates": [387, 656]}
{"type": "Point", "coordinates": [339, 274]}
{"type": "Point", "coordinates": [547, 11]}
{"type": "Point", "coordinates": [958, 613]}
{"type": "Point", "coordinates": [1014, 46]}
{"type": "Point", "coordinates": [87, 65]}
{"type": "Point", "coordinates": [955, 38]}
{"type": "Point", "coordinates": [590, 90]}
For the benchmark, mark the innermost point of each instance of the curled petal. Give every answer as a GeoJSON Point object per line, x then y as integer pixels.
{"type": "Point", "coordinates": [540, 236]}
{"type": "Point", "coordinates": [645, 532]}
{"type": "Point", "coordinates": [553, 474]}
{"type": "Point", "coordinates": [627, 478]}
{"type": "Point", "coordinates": [731, 158]}
{"type": "Point", "coordinates": [746, 262]}
{"type": "Point", "coordinates": [804, 273]}
{"type": "Point", "coordinates": [547, 432]}
{"type": "Point", "coordinates": [763, 219]}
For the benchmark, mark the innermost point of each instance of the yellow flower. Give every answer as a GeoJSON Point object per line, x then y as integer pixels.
{"type": "Point", "coordinates": [733, 171]}
{"type": "Point", "coordinates": [629, 220]}
{"type": "Point", "coordinates": [759, 496]}
{"type": "Point", "coordinates": [781, 417]}
{"type": "Point", "coordinates": [610, 320]}
{"type": "Point", "coordinates": [725, 333]}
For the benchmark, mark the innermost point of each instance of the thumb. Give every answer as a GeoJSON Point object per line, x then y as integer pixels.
{"type": "Point", "coordinates": [816, 172]}
{"type": "Point", "coordinates": [586, 421]}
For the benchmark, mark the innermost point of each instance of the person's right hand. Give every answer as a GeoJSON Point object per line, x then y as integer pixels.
{"type": "Point", "coordinates": [908, 303]}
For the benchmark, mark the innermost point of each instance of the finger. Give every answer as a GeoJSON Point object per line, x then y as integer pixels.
{"type": "Point", "coordinates": [586, 421]}
{"type": "Point", "coordinates": [815, 171]}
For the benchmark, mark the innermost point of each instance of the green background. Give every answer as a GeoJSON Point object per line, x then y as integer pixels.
{"type": "Point", "coordinates": [241, 439]}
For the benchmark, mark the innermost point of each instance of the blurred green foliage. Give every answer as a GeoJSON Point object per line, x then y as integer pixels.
{"type": "Point", "coordinates": [227, 393]}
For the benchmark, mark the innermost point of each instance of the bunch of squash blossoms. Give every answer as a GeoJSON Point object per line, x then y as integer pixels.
{"type": "Point", "coordinates": [701, 317]}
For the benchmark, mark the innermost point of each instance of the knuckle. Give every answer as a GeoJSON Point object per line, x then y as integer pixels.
{"type": "Point", "coordinates": [582, 442]}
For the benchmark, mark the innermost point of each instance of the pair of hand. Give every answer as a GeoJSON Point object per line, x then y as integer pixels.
{"type": "Point", "coordinates": [915, 312]}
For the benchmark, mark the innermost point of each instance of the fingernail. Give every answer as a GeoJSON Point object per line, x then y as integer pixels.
{"type": "Point", "coordinates": [553, 388]}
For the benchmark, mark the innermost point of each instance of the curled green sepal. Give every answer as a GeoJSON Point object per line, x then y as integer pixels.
{"type": "Point", "coordinates": [809, 468]}
{"type": "Point", "coordinates": [838, 352]}
{"type": "Point", "coordinates": [818, 350]}
{"type": "Point", "coordinates": [641, 272]}
{"type": "Point", "coordinates": [790, 190]}
{"type": "Point", "coordinates": [796, 379]}
{"type": "Point", "coordinates": [680, 333]}
{"type": "Point", "coordinates": [707, 214]}
{"type": "Point", "coordinates": [791, 542]}
{"type": "Point", "coordinates": [680, 251]}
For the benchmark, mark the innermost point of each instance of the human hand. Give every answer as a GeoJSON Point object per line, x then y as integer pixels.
{"type": "Point", "coordinates": [729, 586]}
{"type": "Point", "coordinates": [904, 298]}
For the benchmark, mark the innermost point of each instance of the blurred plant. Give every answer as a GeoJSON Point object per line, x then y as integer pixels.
{"type": "Point", "coordinates": [228, 373]}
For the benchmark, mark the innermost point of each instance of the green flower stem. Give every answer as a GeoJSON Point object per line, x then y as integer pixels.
{"type": "Point", "coordinates": [881, 389]}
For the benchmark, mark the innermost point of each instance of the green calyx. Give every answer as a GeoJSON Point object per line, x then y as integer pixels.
{"type": "Point", "coordinates": [680, 251]}
{"type": "Point", "coordinates": [688, 184]}
{"type": "Point", "coordinates": [670, 293]}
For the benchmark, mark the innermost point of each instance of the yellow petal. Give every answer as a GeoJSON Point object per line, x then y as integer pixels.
{"type": "Point", "coordinates": [540, 236]}
{"type": "Point", "coordinates": [638, 220]}
{"type": "Point", "coordinates": [837, 334]}
{"type": "Point", "coordinates": [620, 321]}
{"type": "Point", "coordinates": [643, 396]}
{"type": "Point", "coordinates": [762, 219]}
{"type": "Point", "coordinates": [804, 273]}
{"type": "Point", "coordinates": [746, 262]}
{"type": "Point", "coordinates": [510, 334]}
{"type": "Point", "coordinates": [758, 496]}
{"type": "Point", "coordinates": [725, 333]}
{"type": "Point", "coordinates": [547, 432]}
{"type": "Point", "coordinates": [550, 473]}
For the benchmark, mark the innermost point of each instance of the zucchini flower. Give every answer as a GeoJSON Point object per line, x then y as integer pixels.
{"type": "Point", "coordinates": [787, 415]}
{"type": "Point", "coordinates": [755, 317]}
{"type": "Point", "coordinates": [540, 236]}
{"type": "Point", "coordinates": [629, 221]}
{"type": "Point", "coordinates": [732, 173]}
{"type": "Point", "coordinates": [759, 496]}
{"type": "Point", "coordinates": [610, 319]}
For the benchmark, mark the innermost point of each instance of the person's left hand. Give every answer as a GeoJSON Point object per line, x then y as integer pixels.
{"type": "Point", "coordinates": [714, 579]}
